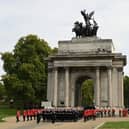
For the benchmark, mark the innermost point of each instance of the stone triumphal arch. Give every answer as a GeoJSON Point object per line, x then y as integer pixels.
{"type": "Point", "coordinates": [83, 58]}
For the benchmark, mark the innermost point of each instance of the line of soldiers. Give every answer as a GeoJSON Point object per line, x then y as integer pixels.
{"type": "Point", "coordinates": [49, 114]}
{"type": "Point", "coordinates": [105, 112]}
{"type": "Point", "coordinates": [54, 115]}
{"type": "Point", "coordinates": [92, 113]}
{"type": "Point", "coordinates": [67, 114]}
{"type": "Point", "coordinates": [108, 112]}
{"type": "Point", "coordinates": [28, 114]}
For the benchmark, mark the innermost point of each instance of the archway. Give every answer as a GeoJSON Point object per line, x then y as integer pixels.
{"type": "Point", "coordinates": [92, 57]}
{"type": "Point", "coordinates": [84, 91]}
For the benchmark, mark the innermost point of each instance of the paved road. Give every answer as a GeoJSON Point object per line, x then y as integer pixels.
{"type": "Point", "coordinates": [11, 124]}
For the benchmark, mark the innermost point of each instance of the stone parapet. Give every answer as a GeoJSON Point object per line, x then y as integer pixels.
{"type": "Point", "coordinates": [86, 45]}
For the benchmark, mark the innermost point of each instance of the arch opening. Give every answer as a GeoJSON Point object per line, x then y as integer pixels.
{"type": "Point", "coordinates": [84, 91]}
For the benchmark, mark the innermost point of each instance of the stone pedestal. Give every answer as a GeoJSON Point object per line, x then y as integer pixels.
{"type": "Point", "coordinates": [86, 45]}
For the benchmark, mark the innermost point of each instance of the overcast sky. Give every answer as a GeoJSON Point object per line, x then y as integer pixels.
{"type": "Point", "coordinates": [53, 21]}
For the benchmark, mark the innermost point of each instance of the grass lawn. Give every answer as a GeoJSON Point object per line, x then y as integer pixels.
{"type": "Point", "coordinates": [4, 112]}
{"type": "Point", "coordinates": [116, 125]}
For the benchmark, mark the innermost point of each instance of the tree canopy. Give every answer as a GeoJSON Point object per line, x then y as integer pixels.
{"type": "Point", "coordinates": [26, 70]}
{"type": "Point", "coordinates": [2, 91]}
{"type": "Point", "coordinates": [126, 91]}
{"type": "Point", "coordinates": [87, 92]}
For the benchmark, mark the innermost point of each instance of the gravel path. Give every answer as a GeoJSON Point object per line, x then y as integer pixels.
{"type": "Point", "coordinates": [11, 124]}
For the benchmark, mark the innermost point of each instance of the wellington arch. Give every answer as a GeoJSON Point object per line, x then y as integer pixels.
{"type": "Point", "coordinates": [88, 57]}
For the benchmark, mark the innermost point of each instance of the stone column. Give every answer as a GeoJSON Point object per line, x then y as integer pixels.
{"type": "Point", "coordinates": [72, 90]}
{"type": "Point", "coordinates": [97, 87]}
{"type": "Point", "coordinates": [109, 88]}
{"type": "Point", "coordinates": [55, 86]}
{"type": "Point", "coordinates": [49, 86]}
{"type": "Point", "coordinates": [115, 83]}
{"type": "Point", "coordinates": [120, 89]}
{"type": "Point", "coordinates": [72, 93]}
{"type": "Point", "coordinates": [66, 87]}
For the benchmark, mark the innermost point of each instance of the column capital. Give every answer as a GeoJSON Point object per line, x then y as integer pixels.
{"type": "Point", "coordinates": [109, 67]}
{"type": "Point", "coordinates": [97, 68]}
{"type": "Point", "coordinates": [49, 70]}
{"type": "Point", "coordinates": [120, 69]}
{"type": "Point", "coordinates": [66, 68]}
{"type": "Point", "coordinates": [55, 68]}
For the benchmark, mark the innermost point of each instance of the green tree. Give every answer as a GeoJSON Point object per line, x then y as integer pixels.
{"type": "Point", "coordinates": [26, 70]}
{"type": "Point", "coordinates": [126, 91]}
{"type": "Point", "coordinates": [87, 92]}
{"type": "Point", "coordinates": [2, 91]}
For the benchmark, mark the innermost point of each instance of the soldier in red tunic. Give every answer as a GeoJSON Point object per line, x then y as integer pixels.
{"type": "Point", "coordinates": [24, 115]}
{"type": "Point", "coordinates": [120, 112]}
{"type": "Point", "coordinates": [86, 115]}
{"type": "Point", "coordinates": [105, 112]}
{"type": "Point", "coordinates": [18, 116]}
{"type": "Point", "coordinates": [113, 112]}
